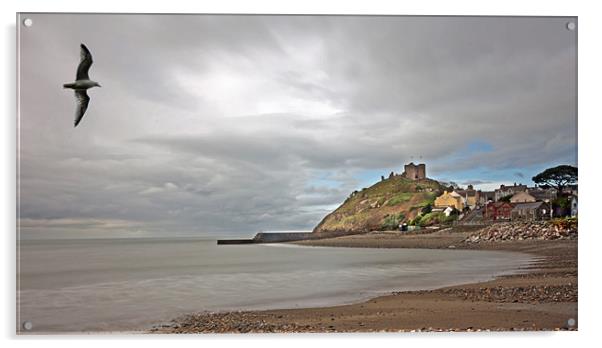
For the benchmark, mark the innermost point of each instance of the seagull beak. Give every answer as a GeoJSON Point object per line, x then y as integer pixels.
{"type": "Point", "coordinates": [99, 85]}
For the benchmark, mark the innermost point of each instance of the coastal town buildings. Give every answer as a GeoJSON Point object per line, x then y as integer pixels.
{"type": "Point", "coordinates": [471, 196]}
{"type": "Point", "coordinates": [531, 211]}
{"type": "Point", "coordinates": [528, 203]}
{"type": "Point", "coordinates": [574, 205]}
{"type": "Point", "coordinates": [505, 191]}
{"type": "Point", "coordinates": [543, 194]}
{"type": "Point", "coordinates": [522, 197]}
{"type": "Point", "coordinates": [447, 211]}
{"type": "Point", "coordinates": [496, 211]}
{"type": "Point", "coordinates": [508, 202]}
{"type": "Point", "coordinates": [486, 197]}
{"type": "Point", "coordinates": [450, 199]}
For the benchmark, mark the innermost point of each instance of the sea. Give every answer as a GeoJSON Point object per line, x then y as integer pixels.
{"type": "Point", "coordinates": [133, 284]}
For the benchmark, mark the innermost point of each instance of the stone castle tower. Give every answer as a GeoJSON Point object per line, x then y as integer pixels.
{"type": "Point", "coordinates": [414, 171]}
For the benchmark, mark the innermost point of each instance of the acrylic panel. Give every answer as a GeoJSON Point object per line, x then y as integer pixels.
{"type": "Point", "coordinates": [296, 173]}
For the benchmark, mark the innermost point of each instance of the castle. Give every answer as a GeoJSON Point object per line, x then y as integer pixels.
{"type": "Point", "coordinates": [414, 171]}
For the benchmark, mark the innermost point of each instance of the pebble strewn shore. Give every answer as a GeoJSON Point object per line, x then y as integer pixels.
{"type": "Point", "coordinates": [539, 230]}
{"type": "Point", "coordinates": [544, 298]}
{"type": "Point", "coordinates": [521, 294]}
{"type": "Point", "coordinates": [230, 322]}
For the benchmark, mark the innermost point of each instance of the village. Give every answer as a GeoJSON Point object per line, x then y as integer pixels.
{"type": "Point", "coordinates": [516, 202]}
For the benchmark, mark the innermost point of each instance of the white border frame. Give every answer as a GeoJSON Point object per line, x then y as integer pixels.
{"type": "Point", "coordinates": [589, 126]}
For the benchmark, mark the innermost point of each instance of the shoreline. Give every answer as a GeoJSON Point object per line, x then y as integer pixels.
{"type": "Point", "coordinates": [543, 297]}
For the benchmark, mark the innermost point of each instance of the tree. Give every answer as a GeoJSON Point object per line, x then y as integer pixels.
{"type": "Point", "coordinates": [558, 177]}
{"type": "Point", "coordinates": [451, 186]}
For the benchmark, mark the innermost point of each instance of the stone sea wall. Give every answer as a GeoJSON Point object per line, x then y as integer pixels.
{"type": "Point", "coordinates": [270, 237]}
{"type": "Point", "coordinates": [278, 237]}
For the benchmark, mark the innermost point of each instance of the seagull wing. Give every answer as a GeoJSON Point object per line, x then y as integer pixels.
{"type": "Point", "coordinates": [82, 105]}
{"type": "Point", "coordinates": [84, 63]}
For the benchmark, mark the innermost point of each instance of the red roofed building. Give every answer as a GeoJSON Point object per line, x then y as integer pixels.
{"type": "Point", "coordinates": [498, 211]}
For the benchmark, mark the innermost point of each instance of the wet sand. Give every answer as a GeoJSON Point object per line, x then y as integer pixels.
{"type": "Point", "coordinates": [543, 298]}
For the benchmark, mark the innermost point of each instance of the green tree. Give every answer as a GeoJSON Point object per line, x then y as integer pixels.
{"type": "Point", "coordinates": [558, 177]}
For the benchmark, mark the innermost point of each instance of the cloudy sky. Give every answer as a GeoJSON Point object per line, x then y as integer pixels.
{"type": "Point", "coordinates": [227, 125]}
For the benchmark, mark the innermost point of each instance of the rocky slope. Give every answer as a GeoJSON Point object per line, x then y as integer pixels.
{"type": "Point", "coordinates": [380, 207]}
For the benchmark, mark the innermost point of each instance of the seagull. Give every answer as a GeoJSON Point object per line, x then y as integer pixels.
{"type": "Point", "coordinates": [82, 83]}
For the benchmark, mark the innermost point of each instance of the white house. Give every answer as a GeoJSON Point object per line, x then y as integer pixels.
{"type": "Point", "coordinates": [448, 211]}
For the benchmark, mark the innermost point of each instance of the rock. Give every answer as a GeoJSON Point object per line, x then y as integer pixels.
{"type": "Point", "coordinates": [538, 230]}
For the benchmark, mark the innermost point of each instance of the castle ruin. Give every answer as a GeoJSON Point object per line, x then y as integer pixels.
{"type": "Point", "coordinates": [414, 171]}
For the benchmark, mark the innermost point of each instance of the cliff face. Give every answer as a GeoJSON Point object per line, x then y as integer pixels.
{"type": "Point", "coordinates": [380, 207]}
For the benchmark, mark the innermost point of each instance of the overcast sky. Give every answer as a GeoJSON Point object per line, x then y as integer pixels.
{"type": "Point", "coordinates": [225, 125]}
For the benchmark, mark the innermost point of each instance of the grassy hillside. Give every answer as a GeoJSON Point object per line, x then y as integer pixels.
{"type": "Point", "coordinates": [380, 207]}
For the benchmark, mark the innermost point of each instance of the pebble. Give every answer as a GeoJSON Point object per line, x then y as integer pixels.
{"type": "Point", "coordinates": [528, 294]}
{"type": "Point", "coordinates": [526, 230]}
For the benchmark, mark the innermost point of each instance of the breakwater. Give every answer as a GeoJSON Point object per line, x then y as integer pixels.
{"type": "Point", "coordinates": [269, 237]}
{"type": "Point", "coordinates": [277, 237]}
{"type": "Point", "coordinates": [235, 241]}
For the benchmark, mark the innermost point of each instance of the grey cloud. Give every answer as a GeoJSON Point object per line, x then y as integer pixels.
{"type": "Point", "coordinates": [295, 101]}
{"type": "Point", "coordinates": [475, 182]}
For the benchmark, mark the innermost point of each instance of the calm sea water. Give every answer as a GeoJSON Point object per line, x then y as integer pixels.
{"type": "Point", "coordinates": [132, 284]}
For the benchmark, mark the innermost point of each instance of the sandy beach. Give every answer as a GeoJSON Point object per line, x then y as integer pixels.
{"type": "Point", "coordinates": [544, 297]}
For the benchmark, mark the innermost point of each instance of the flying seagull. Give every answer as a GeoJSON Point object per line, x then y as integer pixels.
{"type": "Point", "coordinates": [82, 83]}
